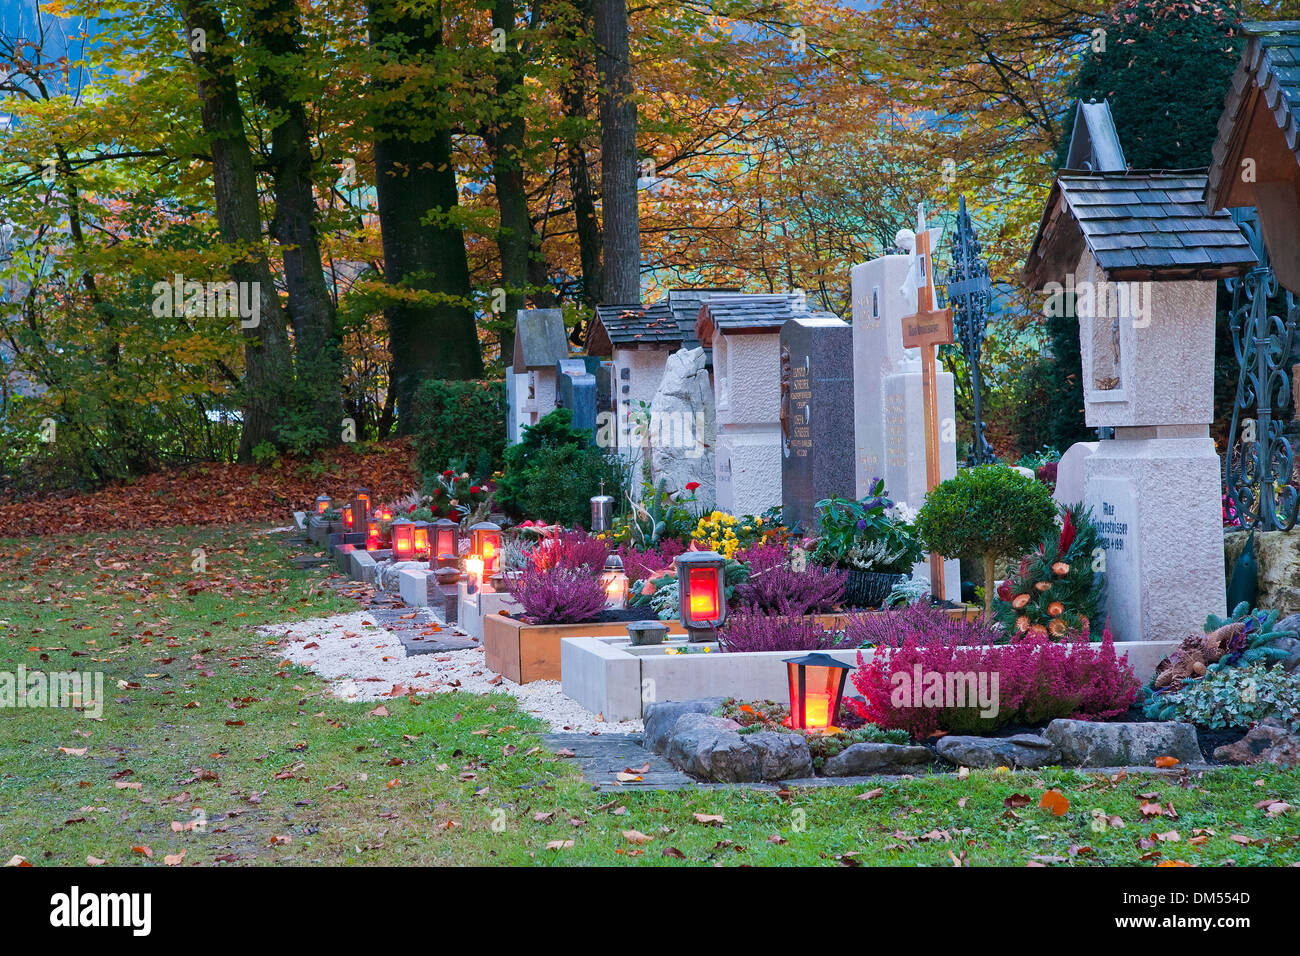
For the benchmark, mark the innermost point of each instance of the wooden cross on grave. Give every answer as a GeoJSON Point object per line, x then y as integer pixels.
{"type": "Point", "coordinates": [926, 329]}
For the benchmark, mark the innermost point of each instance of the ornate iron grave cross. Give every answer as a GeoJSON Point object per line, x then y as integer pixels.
{"type": "Point", "coordinates": [1259, 460]}
{"type": "Point", "coordinates": [969, 291]}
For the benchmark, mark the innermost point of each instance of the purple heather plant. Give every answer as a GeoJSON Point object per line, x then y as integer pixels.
{"type": "Point", "coordinates": [639, 565]}
{"type": "Point", "coordinates": [574, 549]}
{"type": "Point", "coordinates": [749, 629]}
{"type": "Point", "coordinates": [814, 591]}
{"type": "Point", "coordinates": [922, 625]}
{"type": "Point", "coordinates": [560, 595]}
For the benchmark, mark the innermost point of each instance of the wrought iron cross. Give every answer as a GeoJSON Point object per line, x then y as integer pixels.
{"type": "Point", "coordinates": [969, 291]}
{"type": "Point", "coordinates": [1259, 459]}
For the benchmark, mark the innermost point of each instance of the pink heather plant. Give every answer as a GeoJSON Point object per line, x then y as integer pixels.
{"type": "Point", "coordinates": [560, 595]}
{"type": "Point", "coordinates": [640, 565]}
{"type": "Point", "coordinates": [763, 557]}
{"type": "Point", "coordinates": [1038, 680]}
{"type": "Point", "coordinates": [574, 549]}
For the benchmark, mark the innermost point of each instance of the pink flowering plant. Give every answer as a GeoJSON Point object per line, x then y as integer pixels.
{"type": "Point", "coordinates": [559, 595]}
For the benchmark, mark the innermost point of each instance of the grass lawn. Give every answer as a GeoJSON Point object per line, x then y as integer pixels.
{"type": "Point", "coordinates": [211, 747]}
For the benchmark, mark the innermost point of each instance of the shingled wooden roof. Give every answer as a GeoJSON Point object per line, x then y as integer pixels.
{"type": "Point", "coordinates": [1138, 225]}
{"type": "Point", "coordinates": [1269, 69]}
{"type": "Point", "coordinates": [668, 323]}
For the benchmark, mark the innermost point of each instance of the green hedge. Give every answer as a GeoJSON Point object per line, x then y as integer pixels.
{"type": "Point", "coordinates": [459, 420]}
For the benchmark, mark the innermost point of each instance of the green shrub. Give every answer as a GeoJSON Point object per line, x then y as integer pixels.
{"type": "Point", "coordinates": [553, 472]}
{"type": "Point", "coordinates": [459, 421]}
{"type": "Point", "coordinates": [1238, 697]}
{"type": "Point", "coordinates": [990, 511]}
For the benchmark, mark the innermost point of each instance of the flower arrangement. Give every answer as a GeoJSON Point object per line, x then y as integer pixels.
{"type": "Point", "coordinates": [452, 495]}
{"type": "Point", "coordinates": [571, 548]}
{"type": "Point", "coordinates": [727, 534]}
{"type": "Point", "coordinates": [1230, 518]}
{"type": "Point", "coordinates": [815, 590]}
{"type": "Point", "coordinates": [641, 565]}
{"type": "Point", "coordinates": [873, 534]}
{"type": "Point", "coordinates": [921, 624]}
{"type": "Point", "coordinates": [1055, 590]}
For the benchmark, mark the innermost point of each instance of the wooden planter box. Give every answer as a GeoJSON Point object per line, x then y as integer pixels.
{"type": "Point", "coordinates": [527, 652]}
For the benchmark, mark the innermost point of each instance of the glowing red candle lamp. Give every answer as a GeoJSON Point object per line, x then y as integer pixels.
{"type": "Point", "coordinates": [323, 503]}
{"type": "Point", "coordinates": [485, 543]}
{"type": "Point", "coordinates": [816, 689]}
{"type": "Point", "coordinates": [403, 540]}
{"type": "Point", "coordinates": [701, 585]}
{"type": "Point", "coordinates": [420, 532]}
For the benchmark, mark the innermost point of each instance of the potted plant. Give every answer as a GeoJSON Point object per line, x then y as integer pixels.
{"type": "Point", "coordinates": [871, 539]}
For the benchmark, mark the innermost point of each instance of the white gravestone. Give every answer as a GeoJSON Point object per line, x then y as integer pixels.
{"type": "Point", "coordinates": [888, 407]}
{"type": "Point", "coordinates": [747, 386]}
{"type": "Point", "coordinates": [1151, 378]}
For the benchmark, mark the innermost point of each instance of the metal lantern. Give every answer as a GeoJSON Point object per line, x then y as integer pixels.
{"type": "Point", "coordinates": [361, 505]}
{"type": "Point", "coordinates": [485, 544]}
{"type": "Point", "coordinates": [614, 580]}
{"type": "Point", "coordinates": [421, 535]}
{"type": "Point", "coordinates": [602, 511]}
{"type": "Point", "coordinates": [347, 516]}
{"type": "Point", "coordinates": [446, 542]}
{"type": "Point", "coordinates": [323, 503]}
{"type": "Point", "coordinates": [385, 514]}
{"type": "Point", "coordinates": [816, 688]}
{"type": "Point", "coordinates": [701, 593]}
{"type": "Point", "coordinates": [403, 540]}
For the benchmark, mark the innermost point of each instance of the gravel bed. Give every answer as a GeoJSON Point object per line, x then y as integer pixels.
{"type": "Point", "coordinates": [366, 662]}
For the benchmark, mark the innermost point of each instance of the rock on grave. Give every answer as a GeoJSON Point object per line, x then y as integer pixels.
{"type": "Point", "coordinates": [710, 748]}
{"type": "Point", "coordinates": [780, 756]}
{"type": "Point", "coordinates": [1087, 743]}
{"type": "Point", "coordinates": [661, 717]}
{"type": "Point", "coordinates": [683, 427]}
{"type": "Point", "coordinates": [877, 758]}
{"type": "Point", "coordinates": [1269, 741]}
{"type": "Point", "coordinates": [1021, 750]}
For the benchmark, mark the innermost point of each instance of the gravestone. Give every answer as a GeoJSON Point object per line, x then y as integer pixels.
{"type": "Point", "coordinates": [816, 416]}
{"type": "Point", "coordinates": [1146, 333]}
{"type": "Point", "coordinates": [575, 389]}
{"type": "Point", "coordinates": [540, 343]}
{"type": "Point", "coordinates": [682, 428]}
{"type": "Point", "coordinates": [1069, 473]}
{"type": "Point", "coordinates": [888, 401]}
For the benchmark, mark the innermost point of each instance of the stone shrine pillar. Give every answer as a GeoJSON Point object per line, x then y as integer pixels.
{"type": "Point", "coordinates": [888, 406]}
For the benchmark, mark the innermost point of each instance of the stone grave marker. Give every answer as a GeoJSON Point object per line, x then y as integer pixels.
{"type": "Point", "coordinates": [816, 416]}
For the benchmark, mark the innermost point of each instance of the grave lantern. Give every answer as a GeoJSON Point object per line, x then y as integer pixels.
{"type": "Point", "coordinates": [816, 688]}
{"type": "Point", "coordinates": [323, 503]}
{"type": "Point", "coordinates": [473, 574]}
{"type": "Point", "coordinates": [374, 537]}
{"type": "Point", "coordinates": [347, 516]}
{"type": "Point", "coordinates": [602, 511]}
{"type": "Point", "coordinates": [614, 580]}
{"type": "Point", "coordinates": [485, 544]}
{"type": "Point", "coordinates": [446, 541]}
{"type": "Point", "coordinates": [385, 514]}
{"type": "Point", "coordinates": [701, 591]}
{"type": "Point", "coordinates": [420, 532]}
{"type": "Point", "coordinates": [361, 505]}
{"type": "Point", "coordinates": [403, 540]}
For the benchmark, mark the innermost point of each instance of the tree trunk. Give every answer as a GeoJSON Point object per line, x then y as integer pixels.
{"type": "Point", "coordinates": [267, 361]}
{"type": "Point", "coordinates": [989, 561]}
{"type": "Point", "coordinates": [505, 140]}
{"type": "Point", "coordinates": [311, 309]}
{"type": "Point", "coordinates": [415, 180]}
{"type": "Point", "coordinates": [618, 158]}
{"type": "Point", "coordinates": [584, 199]}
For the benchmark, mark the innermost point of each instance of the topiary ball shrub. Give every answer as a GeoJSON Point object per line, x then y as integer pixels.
{"type": "Point", "coordinates": [990, 512]}
{"type": "Point", "coordinates": [459, 420]}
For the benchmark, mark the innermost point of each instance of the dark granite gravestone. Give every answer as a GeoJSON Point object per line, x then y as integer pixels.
{"type": "Point", "coordinates": [817, 444]}
{"type": "Point", "coordinates": [575, 389]}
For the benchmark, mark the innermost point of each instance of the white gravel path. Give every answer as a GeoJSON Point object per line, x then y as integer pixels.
{"type": "Point", "coordinates": [364, 661]}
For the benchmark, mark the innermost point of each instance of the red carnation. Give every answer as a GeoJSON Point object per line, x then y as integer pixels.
{"type": "Point", "coordinates": [474, 489]}
{"type": "Point", "coordinates": [692, 485]}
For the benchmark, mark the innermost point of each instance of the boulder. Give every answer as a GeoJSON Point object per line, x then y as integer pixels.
{"type": "Point", "coordinates": [661, 718]}
{"type": "Point", "coordinates": [1269, 741]}
{"type": "Point", "coordinates": [1069, 473]}
{"type": "Point", "coordinates": [1088, 743]}
{"type": "Point", "coordinates": [683, 426]}
{"type": "Point", "coordinates": [710, 748]}
{"type": "Point", "coordinates": [861, 759]}
{"type": "Point", "coordinates": [1021, 750]}
{"type": "Point", "coordinates": [781, 756]}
